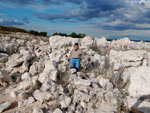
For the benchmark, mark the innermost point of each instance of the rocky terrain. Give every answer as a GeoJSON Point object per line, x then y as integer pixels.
{"type": "Point", "coordinates": [35, 76]}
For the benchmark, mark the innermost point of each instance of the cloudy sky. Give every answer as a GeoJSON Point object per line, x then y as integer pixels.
{"type": "Point", "coordinates": [97, 18]}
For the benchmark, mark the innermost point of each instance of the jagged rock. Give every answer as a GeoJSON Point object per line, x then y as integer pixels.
{"type": "Point", "coordinates": [19, 60]}
{"type": "Point", "coordinates": [3, 57]}
{"type": "Point", "coordinates": [52, 74]}
{"type": "Point", "coordinates": [80, 95]}
{"type": "Point", "coordinates": [121, 43]}
{"type": "Point", "coordinates": [49, 85]}
{"type": "Point", "coordinates": [126, 58]}
{"type": "Point", "coordinates": [148, 59]}
{"type": "Point", "coordinates": [82, 82]}
{"type": "Point", "coordinates": [30, 100]}
{"type": "Point", "coordinates": [110, 97]}
{"type": "Point", "coordinates": [106, 84]}
{"type": "Point", "coordinates": [25, 76]}
{"type": "Point", "coordinates": [5, 106]}
{"type": "Point", "coordinates": [34, 69]}
{"type": "Point", "coordinates": [139, 81]}
{"type": "Point", "coordinates": [138, 104]}
{"type": "Point", "coordinates": [24, 85]}
{"type": "Point", "coordinates": [37, 110]}
{"type": "Point", "coordinates": [56, 42]}
{"type": "Point", "coordinates": [41, 96]}
{"type": "Point", "coordinates": [86, 42]}
{"type": "Point", "coordinates": [72, 71]}
{"type": "Point", "coordinates": [24, 67]}
{"type": "Point", "coordinates": [13, 94]}
{"type": "Point", "coordinates": [57, 110]}
{"type": "Point", "coordinates": [49, 71]}
{"type": "Point", "coordinates": [65, 101]}
{"type": "Point", "coordinates": [101, 42]}
{"type": "Point", "coordinates": [49, 65]}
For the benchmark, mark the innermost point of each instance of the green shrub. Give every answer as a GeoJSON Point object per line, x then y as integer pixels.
{"type": "Point", "coordinates": [73, 34]}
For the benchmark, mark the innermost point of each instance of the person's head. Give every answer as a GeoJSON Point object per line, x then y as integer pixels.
{"type": "Point", "coordinates": [76, 46]}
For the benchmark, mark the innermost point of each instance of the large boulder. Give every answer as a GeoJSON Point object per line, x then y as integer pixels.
{"type": "Point", "coordinates": [49, 71]}
{"type": "Point", "coordinates": [138, 105]}
{"type": "Point", "coordinates": [126, 58]}
{"type": "Point", "coordinates": [86, 42]}
{"type": "Point", "coordinates": [41, 96]}
{"type": "Point", "coordinates": [139, 78]}
{"type": "Point", "coordinates": [19, 61]}
{"type": "Point", "coordinates": [56, 42]}
{"type": "Point", "coordinates": [121, 43]}
{"type": "Point", "coordinates": [148, 59]}
{"type": "Point", "coordinates": [101, 42]}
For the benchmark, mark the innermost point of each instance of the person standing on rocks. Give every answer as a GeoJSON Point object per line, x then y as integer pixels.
{"type": "Point", "coordinates": [76, 55]}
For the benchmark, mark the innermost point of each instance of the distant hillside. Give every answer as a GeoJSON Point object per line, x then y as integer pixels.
{"type": "Point", "coordinates": [12, 29]}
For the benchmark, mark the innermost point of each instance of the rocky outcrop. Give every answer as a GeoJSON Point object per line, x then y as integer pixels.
{"type": "Point", "coordinates": [128, 58]}
{"type": "Point", "coordinates": [37, 77]}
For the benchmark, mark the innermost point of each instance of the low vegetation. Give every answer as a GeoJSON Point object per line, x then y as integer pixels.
{"type": "Point", "coordinates": [38, 33]}
{"type": "Point", "coordinates": [73, 34]}
{"type": "Point", "coordinates": [11, 29]}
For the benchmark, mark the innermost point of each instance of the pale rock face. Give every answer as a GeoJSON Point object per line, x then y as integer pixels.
{"type": "Point", "coordinates": [22, 103]}
{"type": "Point", "coordinates": [90, 52]}
{"type": "Point", "coordinates": [41, 96]}
{"type": "Point", "coordinates": [3, 57]}
{"type": "Point", "coordinates": [65, 101]}
{"type": "Point", "coordinates": [56, 42]}
{"type": "Point", "coordinates": [72, 71]}
{"type": "Point", "coordinates": [56, 55]}
{"type": "Point", "coordinates": [52, 74]}
{"type": "Point", "coordinates": [34, 69]}
{"type": "Point", "coordinates": [49, 71]}
{"type": "Point", "coordinates": [148, 59]}
{"type": "Point", "coordinates": [79, 81]}
{"type": "Point", "coordinates": [80, 95]}
{"type": "Point", "coordinates": [13, 94]}
{"type": "Point", "coordinates": [25, 76]}
{"type": "Point", "coordinates": [126, 58]}
{"type": "Point", "coordinates": [86, 42]}
{"type": "Point", "coordinates": [24, 67]}
{"type": "Point", "coordinates": [57, 110]}
{"type": "Point", "coordinates": [139, 81]}
{"type": "Point", "coordinates": [20, 60]}
{"type": "Point", "coordinates": [101, 42]}
{"type": "Point", "coordinates": [106, 84]}
{"type": "Point", "coordinates": [49, 85]}
{"type": "Point", "coordinates": [111, 98]}
{"type": "Point", "coordinates": [37, 110]}
{"type": "Point", "coordinates": [97, 60]}
{"type": "Point", "coordinates": [138, 104]}
{"type": "Point", "coordinates": [121, 43]}
{"type": "Point", "coordinates": [24, 85]}
{"type": "Point", "coordinates": [49, 65]}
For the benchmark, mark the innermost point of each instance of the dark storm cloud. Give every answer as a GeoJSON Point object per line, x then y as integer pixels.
{"type": "Point", "coordinates": [88, 9]}
{"type": "Point", "coordinates": [109, 12]}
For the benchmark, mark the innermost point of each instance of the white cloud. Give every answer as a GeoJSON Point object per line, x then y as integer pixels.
{"type": "Point", "coordinates": [1, 20]}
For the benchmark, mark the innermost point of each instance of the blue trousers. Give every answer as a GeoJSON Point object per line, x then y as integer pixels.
{"type": "Point", "coordinates": [76, 63]}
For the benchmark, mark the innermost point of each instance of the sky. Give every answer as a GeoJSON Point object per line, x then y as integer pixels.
{"type": "Point", "coordinates": [97, 18]}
